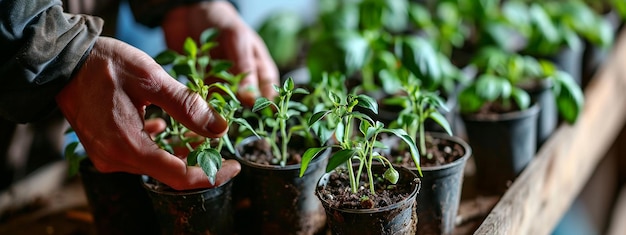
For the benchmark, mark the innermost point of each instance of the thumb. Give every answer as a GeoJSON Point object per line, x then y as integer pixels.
{"type": "Point", "coordinates": [186, 106]}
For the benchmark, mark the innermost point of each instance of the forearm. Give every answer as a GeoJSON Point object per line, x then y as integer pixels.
{"type": "Point", "coordinates": [41, 48]}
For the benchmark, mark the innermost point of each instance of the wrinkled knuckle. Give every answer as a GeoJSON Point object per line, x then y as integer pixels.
{"type": "Point", "coordinates": [194, 105]}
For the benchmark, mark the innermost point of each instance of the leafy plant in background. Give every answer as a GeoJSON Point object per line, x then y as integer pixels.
{"type": "Point", "coordinates": [359, 146]}
{"type": "Point", "coordinates": [193, 65]}
{"type": "Point", "coordinates": [442, 23]}
{"type": "Point", "coordinates": [491, 88]}
{"type": "Point", "coordinates": [281, 32]}
{"type": "Point", "coordinates": [280, 130]}
{"type": "Point", "coordinates": [550, 26]}
{"type": "Point", "coordinates": [433, 69]}
{"type": "Point", "coordinates": [519, 69]}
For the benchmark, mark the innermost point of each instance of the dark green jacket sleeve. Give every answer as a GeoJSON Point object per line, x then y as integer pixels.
{"type": "Point", "coordinates": [40, 48]}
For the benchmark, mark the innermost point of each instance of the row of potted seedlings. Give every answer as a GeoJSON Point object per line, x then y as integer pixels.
{"type": "Point", "coordinates": [505, 101]}
{"type": "Point", "coordinates": [374, 104]}
{"type": "Point", "coordinates": [293, 152]}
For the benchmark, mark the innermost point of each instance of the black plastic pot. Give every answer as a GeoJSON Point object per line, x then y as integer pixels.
{"type": "Point", "coordinates": [398, 218]}
{"type": "Point", "coordinates": [594, 55]}
{"type": "Point", "coordinates": [547, 120]}
{"type": "Point", "coordinates": [281, 202]}
{"type": "Point", "coordinates": [203, 211]}
{"type": "Point", "coordinates": [440, 196]}
{"type": "Point", "coordinates": [118, 202]}
{"type": "Point", "coordinates": [502, 147]}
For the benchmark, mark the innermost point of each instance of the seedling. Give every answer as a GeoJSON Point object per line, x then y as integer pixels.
{"type": "Point", "coordinates": [360, 146]}
{"type": "Point", "coordinates": [277, 123]}
{"type": "Point", "coordinates": [194, 65]}
{"type": "Point", "coordinates": [419, 106]}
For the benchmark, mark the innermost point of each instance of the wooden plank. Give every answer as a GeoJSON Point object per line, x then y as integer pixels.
{"type": "Point", "coordinates": [544, 191]}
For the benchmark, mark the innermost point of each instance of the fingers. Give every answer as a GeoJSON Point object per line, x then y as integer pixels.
{"type": "Point", "coordinates": [242, 54]}
{"type": "Point", "coordinates": [252, 58]}
{"type": "Point", "coordinates": [181, 177]}
{"type": "Point", "coordinates": [185, 106]}
{"type": "Point", "coordinates": [154, 126]}
{"type": "Point", "coordinates": [267, 71]}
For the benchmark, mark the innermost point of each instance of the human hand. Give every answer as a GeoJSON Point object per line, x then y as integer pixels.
{"type": "Point", "coordinates": [105, 105]}
{"type": "Point", "coordinates": [237, 43]}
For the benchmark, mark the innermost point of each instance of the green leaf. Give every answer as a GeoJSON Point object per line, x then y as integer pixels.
{"type": "Point", "coordinates": [260, 104]}
{"type": "Point", "coordinates": [391, 175]}
{"type": "Point", "coordinates": [339, 131]}
{"type": "Point", "coordinates": [570, 98]}
{"type": "Point", "coordinates": [288, 85]}
{"type": "Point", "coordinates": [487, 87]}
{"type": "Point", "coordinates": [318, 116]}
{"type": "Point", "coordinates": [300, 91]}
{"type": "Point", "coordinates": [400, 133]}
{"type": "Point", "coordinates": [339, 158]}
{"type": "Point", "coordinates": [73, 158]}
{"type": "Point", "coordinates": [220, 65]}
{"type": "Point", "coordinates": [419, 57]}
{"type": "Point", "coordinates": [207, 47]}
{"type": "Point", "coordinates": [344, 51]}
{"type": "Point", "coordinates": [229, 145]}
{"type": "Point", "coordinates": [210, 161]}
{"type": "Point", "coordinates": [369, 131]}
{"type": "Point", "coordinates": [367, 102]}
{"type": "Point", "coordinates": [521, 97]}
{"type": "Point", "coordinates": [208, 35]}
{"type": "Point", "coordinates": [203, 61]}
{"type": "Point", "coordinates": [334, 97]}
{"type": "Point", "coordinates": [224, 88]}
{"type": "Point", "coordinates": [166, 57]}
{"type": "Point", "coordinates": [308, 156]}
{"type": "Point", "coordinates": [244, 123]}
{"type": "Point", "coordinates": [190, 48]}
{"type": "Point", "coordinates": [441, 120]}
{"type": "Point", "coordinates": [182, 69]}
{"type": "Point", "coordinates": [544, 24]}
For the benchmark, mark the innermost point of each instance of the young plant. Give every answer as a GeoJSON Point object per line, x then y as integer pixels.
{"type": "Point", "coordinates": [281, 131]}
{"type": "Point", "coordinates": [519, 69]}
{"type": "Point", "coordinates": [419, 106]}
{"type": "Point", "coordinates": [360, 146]}
{"type": "Point", "coordinates": [193, 66]}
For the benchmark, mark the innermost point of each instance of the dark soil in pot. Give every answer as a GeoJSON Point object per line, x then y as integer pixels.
{"type": "Point", "coordinates": [280, 201]}
{"type": "Point", "coordinates": [392, 210]}
{"type": "Point", "coordinates": [118, 202]}
{"type": "Point", "coordinates": [201, 211]}
{"type": "Point", "coordinates": [442, 181]}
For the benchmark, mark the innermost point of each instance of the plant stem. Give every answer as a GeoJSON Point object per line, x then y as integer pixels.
{"type": "Point", "coordinates": [369, 152]}
{"type": "Point", "coordinates": [353, 183]}
{"type": "Point", "coordinates": [346, 141]}
{"type": "Point", "coordinates": [283, 128]}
